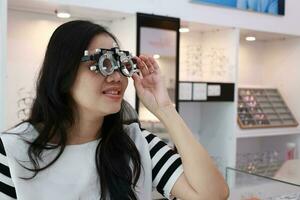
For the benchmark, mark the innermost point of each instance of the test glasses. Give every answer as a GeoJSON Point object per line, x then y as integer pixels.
{"type": "Point", "coordinates": [109, 60]}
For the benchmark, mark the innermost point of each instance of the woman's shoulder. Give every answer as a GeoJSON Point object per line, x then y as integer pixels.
{"type": "Point", "coordinates": [136, 133]}
{"type": "Point", "coordinates": [14, 137]}
{"type": "Point", "coordinates": [19, 128]}
{"type": "Point", "coordinates": [22, 129]}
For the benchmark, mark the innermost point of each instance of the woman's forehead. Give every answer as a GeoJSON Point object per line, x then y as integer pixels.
{"type": "Point", "coordinates": [101, 41]}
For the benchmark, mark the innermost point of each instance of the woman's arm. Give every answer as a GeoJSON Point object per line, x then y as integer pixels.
{"type": "Point", "coordinates": [199, 170]}
{"type": "Point", "coordinates": [201, 179]}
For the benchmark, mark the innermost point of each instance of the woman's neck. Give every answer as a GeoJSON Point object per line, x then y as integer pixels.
{"type": "Point", "coordinates": [85, 130]}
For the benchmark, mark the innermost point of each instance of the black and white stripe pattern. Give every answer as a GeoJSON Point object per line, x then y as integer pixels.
{"type": "Point", "coordinates": [7, 190]}
{"type": "Point", "coordinates": [166, 164]}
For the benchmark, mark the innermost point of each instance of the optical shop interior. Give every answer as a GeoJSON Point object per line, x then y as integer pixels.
{"type": "Point", "coordinates": [231, 69]}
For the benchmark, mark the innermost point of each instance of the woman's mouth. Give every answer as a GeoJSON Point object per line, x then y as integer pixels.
{"type": "Point", "coordinates": [113, 94]}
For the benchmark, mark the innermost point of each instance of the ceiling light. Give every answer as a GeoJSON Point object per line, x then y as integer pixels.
{"type": "Point", "coordinates": [184, 30]}
{"type": "Point", "coordinates": [156, 56]}
{"type": "Point", "coordinates": [62, 14]}
{"type": "Point", "coordinates": [250, 38]}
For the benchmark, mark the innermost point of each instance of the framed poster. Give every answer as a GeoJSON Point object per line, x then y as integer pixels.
{"type": "Point", "coordinates": [274, 7]}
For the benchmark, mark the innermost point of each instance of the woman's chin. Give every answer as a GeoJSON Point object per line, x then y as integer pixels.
{"type": "Point", "coordinates": [113, 110]}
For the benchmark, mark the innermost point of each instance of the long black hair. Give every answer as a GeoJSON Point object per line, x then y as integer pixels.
{"type": "Point", "coordinates": [52, 114]}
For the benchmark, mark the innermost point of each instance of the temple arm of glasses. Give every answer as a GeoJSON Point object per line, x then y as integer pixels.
{"type": "Point", "coordinates": [85, 58]}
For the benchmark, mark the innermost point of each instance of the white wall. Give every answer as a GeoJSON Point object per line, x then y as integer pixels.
{"type": "Point", "coordinates": [28, 36]}
{"type": "Point", "coordinates": [125, 31]}
{"type": "Point", "coordinates": [204, 13]}
{"type": "Point", "coordinates": [250, 65]}
{"type": "Point", "coordinates": [282, 69]}
{"type": "Point", "coordinates": [3, 36]}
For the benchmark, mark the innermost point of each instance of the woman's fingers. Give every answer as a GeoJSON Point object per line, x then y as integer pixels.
{"type": "Point", "coordinates": [137, 83]}
{"type": "Point", "coordinates": [154, 63]}
{"type": "Point", "coordinates": [142, 66]}
{"type": "Point", "coordinates": [146, 60]}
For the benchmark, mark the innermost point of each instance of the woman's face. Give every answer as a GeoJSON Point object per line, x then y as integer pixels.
{"type": "Point", "coordinates": [93, 93]}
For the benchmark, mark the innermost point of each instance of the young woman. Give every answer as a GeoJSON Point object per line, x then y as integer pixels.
{"type": "Point", "coordinates": [80, 141]}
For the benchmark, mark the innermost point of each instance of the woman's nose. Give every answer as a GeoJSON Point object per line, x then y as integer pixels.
{"type": "Point", "coordinates": [114, 77]}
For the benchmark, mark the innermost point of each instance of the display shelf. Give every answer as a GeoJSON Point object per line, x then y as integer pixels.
{"type": "Point", "coordinates": [263, 108]}
{"type": "Point", "coordinates": [250, 133]}
{"type": "Point", "coordinates": [216, 124]}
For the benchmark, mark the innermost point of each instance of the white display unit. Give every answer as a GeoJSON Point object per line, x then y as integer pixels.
{"type": "Point", "coordinates": [271, 61]}
{"type": "Point", "coordinates": [213, 123]}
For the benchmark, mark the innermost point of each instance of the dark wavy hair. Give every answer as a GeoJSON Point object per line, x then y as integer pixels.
{"type": "Point", "coordinates": [52, 114]}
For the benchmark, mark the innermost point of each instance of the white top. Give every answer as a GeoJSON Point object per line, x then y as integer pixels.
{"type": "Point", "coordinates": [73, 176]}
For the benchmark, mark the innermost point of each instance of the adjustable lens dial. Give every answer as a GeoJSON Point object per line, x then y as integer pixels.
{"type": "Point", "coordinates": [107, 64]}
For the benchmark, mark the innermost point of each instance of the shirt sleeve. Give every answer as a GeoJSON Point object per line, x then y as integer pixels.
{"type": "Point", "coordinates": [7, 189]}
{"type": "Point", "coordinates": [166, 164]}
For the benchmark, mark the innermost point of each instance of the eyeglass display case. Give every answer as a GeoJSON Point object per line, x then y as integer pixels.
{"type": "Point", "coordinates": [263, 108]}
{"type": "Point", "coordinates": [250, 186]}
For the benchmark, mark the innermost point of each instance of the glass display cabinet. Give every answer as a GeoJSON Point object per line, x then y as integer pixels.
{"type": "Point", "coordinates": [245, 185]}
{"type": "Point", "coordinates": [158, 36]}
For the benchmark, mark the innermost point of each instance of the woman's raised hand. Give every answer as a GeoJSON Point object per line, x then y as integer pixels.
{"type": "Point", "coordinates": [150, 85]}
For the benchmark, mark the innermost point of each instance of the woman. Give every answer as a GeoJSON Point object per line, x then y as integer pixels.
{"type": "Point", "coordinates": [76, 144]}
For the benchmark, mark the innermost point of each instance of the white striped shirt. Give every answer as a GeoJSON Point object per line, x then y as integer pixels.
{"type": "Point", "coordinates": [7, 189]}
{"type": "Point", "coordinates": [74, 175]}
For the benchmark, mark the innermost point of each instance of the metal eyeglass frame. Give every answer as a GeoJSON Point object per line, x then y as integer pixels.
{"type": "Point", "coordinates": [118, 60]}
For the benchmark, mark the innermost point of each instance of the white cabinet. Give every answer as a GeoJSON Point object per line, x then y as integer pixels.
{"type": "Point", "coordinates": [271, 61]}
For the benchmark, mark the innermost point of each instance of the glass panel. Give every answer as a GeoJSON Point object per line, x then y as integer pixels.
{"type": "Point", "coordinates": [161, 44]}
{"type": "Point", "coordinates": [251, 186]}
